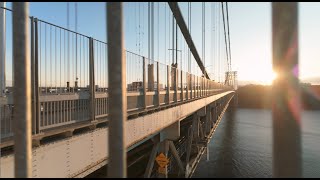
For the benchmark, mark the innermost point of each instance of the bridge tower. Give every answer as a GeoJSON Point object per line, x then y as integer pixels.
{"type": "Point", "coordinates": [232, 80]}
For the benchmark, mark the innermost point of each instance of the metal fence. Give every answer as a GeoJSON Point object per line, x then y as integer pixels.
{"type": "Point", "coordinates": [65, 66]}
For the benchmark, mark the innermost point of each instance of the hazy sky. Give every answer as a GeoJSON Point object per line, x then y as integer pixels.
{"type": "Point", "coordinates": [250, 32]}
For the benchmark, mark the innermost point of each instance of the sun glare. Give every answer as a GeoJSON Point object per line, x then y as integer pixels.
{"type": "Point", "coordinates": [267, 78]}
{"type": "Point", "coordinates": [273, 75]}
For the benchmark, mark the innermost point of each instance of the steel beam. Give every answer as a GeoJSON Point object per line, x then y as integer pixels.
{"type": "Point", "coordinates": [22, 90]}
{"type": "Point", "coordinates": [184, 29]}
{"type": "Point", "coordinates": [151, 161]}
{"type": "Point", "coordinates": [286, 91]}
{"type": "Point", "coordinates": [117, 166]}
{"type": "Point", "coordinates": [176, 155]}
{"type": "Point", "coordinates": [164, 148]}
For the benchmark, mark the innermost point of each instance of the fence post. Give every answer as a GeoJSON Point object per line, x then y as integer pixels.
{"type": "Point", "coordinates": [36, 78]}
{"type": "Point", "coordinates": [92, 90]}
{"type": "Point", "coordinates": [158, 86]}
{"type": "Point", "coordinates": [191, 91]}
{"type": "Point", "coordinates": [33, 77]}
{"type": "Point", "coordinates": [168, 83]}
{"type": "Point", "coordinates": [181, 97]}
{"type": "Point", "coordinates": [175, 85]}
{"type": "Point", "coordinates": [187, 85]}
{"type": "Point", "coordinates": [144, 83]}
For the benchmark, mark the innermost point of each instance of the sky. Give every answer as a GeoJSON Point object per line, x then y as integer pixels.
{"type": "Point", "coordinates": [250, 36]}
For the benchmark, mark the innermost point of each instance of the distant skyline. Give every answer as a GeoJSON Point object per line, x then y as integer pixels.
{"type": "Point", "coordinates": [250, 32]}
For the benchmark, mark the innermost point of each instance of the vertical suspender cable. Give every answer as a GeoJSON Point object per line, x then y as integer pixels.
{"type": "Point", "coordinates": [152, 33]}
{"type": "Point", "coordinates": [2, 52]}
{"type": "Point", "coordinates": [149, 33]}
{"type": "Point", "coordinates": [55, 57]}
{"type": "Point", "coordinates": [219, 43]}
{"type": "Point", "coordinates": [165, 34]}
{"type": "Point", "coordinates": [46, 59]}
{"type": "Point", "coordinates": [203, 41]}
{"type": "Point", "coordinates": [189, 32]}
{"type": "Point", "coordinates": [60, 61]}
{"type": "Point", "coordinates": [50, 58]}
{"type": "Point", "coordinates": [172, 39]}
{"type": "Point", "coordinates": [176, 51]}
{"type": "Point", "coordinates": [212, 39]}
{"type": "Point", "coordinates": [230, 68]}
{"type": "Point", "coordinates": [158, 31]}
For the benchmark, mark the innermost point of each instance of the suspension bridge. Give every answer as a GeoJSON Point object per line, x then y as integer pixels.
{"type": "Point", "coordinates": [71, 104]}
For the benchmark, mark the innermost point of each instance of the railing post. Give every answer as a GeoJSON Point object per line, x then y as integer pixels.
{"type": "Point", "coordinates": [150, 77]}
{"type": "Point", "coordinates": [168, 83]}
{"type": "Point", "coordinates": [22, 91]}
{"type": "Point", "coordinates": [92, 90]}
{"type": "Point", "coordinates": [206, 85]}
{"type": "Point", "coordinates": [144, 83]}
{"type": "Point", "coordinates": [187, 85]}
{"type": "Point", "coordinates": [33, 96]}
{"type": "Point", "coordinates": [181, 96]}
{"type": "Point", "coordinates": [190, 77]}
{"type": "Point", "coordinates": [194, 86]}
{"type": "Point", "coordinates": [175, 85]}
{"type": "Point", "coordinates": [158, 86]}
{"type": "Point", "coordinates": [201, 87]}
{"type": "Point", "coordinates": [197, 85]}
{"type": "Point", "coordinates": [36, 76]}
{"type": "Point", "coordinates": [33, 114]}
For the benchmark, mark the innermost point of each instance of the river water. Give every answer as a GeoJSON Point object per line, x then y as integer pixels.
{"type": "Point", "coordinates": [242, 146]}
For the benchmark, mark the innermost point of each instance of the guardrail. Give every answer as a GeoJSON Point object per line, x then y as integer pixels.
{"type": "Point", "coordinates": [70, 81]}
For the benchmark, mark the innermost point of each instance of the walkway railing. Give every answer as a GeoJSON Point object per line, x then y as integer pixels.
{"type": "Point", "coordinates": [68, 89]}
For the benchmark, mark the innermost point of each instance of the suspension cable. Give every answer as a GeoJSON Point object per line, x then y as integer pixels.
{"type": "Point", "coordinates": [189, 31]}
{"type": "Point", "coordinates": [165, 34]}
{"type": "Point", "coordinates": [219, 43]}
{"type": "Point", "coordinates": [229, 37]}
{"type": "Point", "coordinates": [225, 37]}
{"type": "Point", "coordinates": [158, 23]}
{"type": "Point", "coordinates": [136, 27]}
{"type": "Point", "coordinates": [203, 34]}
{"type": "Point", "coordinates": [211, 27]}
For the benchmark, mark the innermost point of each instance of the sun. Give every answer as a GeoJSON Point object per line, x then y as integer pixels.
{"type": "Point", "coordinates": [269, 78]}
{"type": "Point", "coordinates": [274, 75]}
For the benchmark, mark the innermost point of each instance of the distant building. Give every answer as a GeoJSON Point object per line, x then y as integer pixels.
{"type": "Point", "coordinates": [135, 86]}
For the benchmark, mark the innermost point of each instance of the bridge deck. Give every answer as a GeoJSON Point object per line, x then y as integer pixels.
{"type": "Point", "coordinates": [66, 159]}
